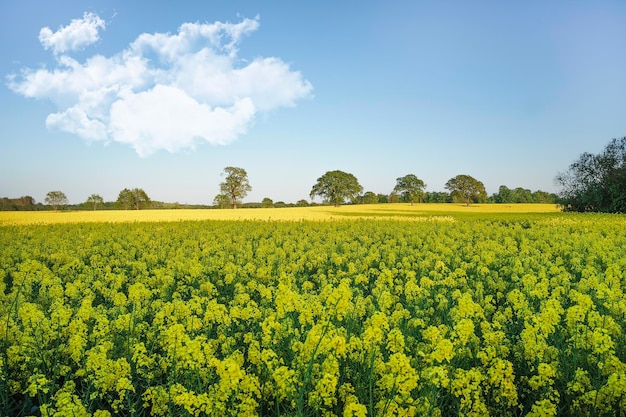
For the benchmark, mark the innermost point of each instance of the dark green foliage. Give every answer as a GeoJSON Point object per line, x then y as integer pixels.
{"type": "Point", "coordinates": [337, 186]}
{"type": "Point", "coordinates": [410, 187]}
{"type": "Point", "coordinates": [133, 199]}
{"type": "Point", "coordinates": [466, 189]}
{"type": "Point", "coordinates": [596, 182]}
{"type": "Point", "coordinates": [19, 204]}
{"type": "Point", "coordinates": [369, 198]}
{"type": "Point", "coordinates": [505, 195]}
{"type": "Point", "coordinates": [437, 197]}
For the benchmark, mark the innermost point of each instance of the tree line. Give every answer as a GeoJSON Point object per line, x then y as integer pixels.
{"type": "Point", "coordinates": [334, 188]}
{"type": "Point", "coordinates": [596, 182]}
{"type": "Point", "coordinates": [339, 187]}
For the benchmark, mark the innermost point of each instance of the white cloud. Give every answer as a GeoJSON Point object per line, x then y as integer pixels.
{"type": "Point", "coordinates": [167, 118]}
{"type": "Point", "coordinates": [78, 34]}
{"type": "Point", "coordinates": [75, 120]}
{"type": "Point", "coordinates": [164, 91]}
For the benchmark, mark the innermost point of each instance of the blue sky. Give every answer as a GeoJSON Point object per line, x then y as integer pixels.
{"type": "Point", "coordinates": [97, 96]}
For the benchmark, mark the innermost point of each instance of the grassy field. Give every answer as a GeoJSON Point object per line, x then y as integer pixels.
{"type": "Point", "coordinates": [316, 213]}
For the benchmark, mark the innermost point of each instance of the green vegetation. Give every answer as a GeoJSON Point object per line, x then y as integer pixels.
{"type": "Point", "coordinates": [410, 187]}
{"type": "Point", "coordinates": [483, 314]}
{"type": "Point", "coordinates": [597, 182]}
{"type": "Point", "coordinates": [95, 200]}
{"type": "Point", "coordinates": [335, 187]}
{"type": "Point", "coordinates": [56, 199]}
{"type": "Point", "coordinates": [133, 199]}
{"type": "Point", "coordinates": [234, 187]}
{"type": "Point", "coordinates": [466, 189]}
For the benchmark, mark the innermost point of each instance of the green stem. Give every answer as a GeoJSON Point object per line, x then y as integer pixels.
{"type": "Point", "coordinates": [309, 367]}
{"type": "Point", "coordinates": [371, 384]}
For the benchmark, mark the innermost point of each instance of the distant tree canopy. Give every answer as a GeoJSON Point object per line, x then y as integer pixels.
{"type": "Point", "coordinates": [95, 200]}
{"type": "Point", "coordinates": [437, 197]}
{"type": "Point", "coordinates": [466, 189]}
{"type": "Point", "coordinates": [56, 199]}
{"type": "Point", "coordinates": [18, 204]}
{"type": "Point", "coordinates": [221, 201]}
{"type": "Point", "coordinates": [337, 186]}
{"type": "Point", "coordinates": [133, 199]}
{"type": "Point", "coordinates": [267, 202]}
{"type": "Point", "coordinates": [393, 197]}
{"type": "Point", "coordinates": [369, 198]}
{"type": "Point", "coordinates": [505, 195]}
{"type": "Point", "coordinates": [235, 185]}
{"type": "Point", "coordinates": [596, 182]}
{"type": "Point", "coordinates": [410, 187]}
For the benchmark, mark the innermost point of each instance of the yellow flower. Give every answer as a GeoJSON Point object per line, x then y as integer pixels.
{"type": "Point", "coordinates": [544, 378]}
{"type": "Point", "coordinates": [355, 410]}
{"type": "Point", "coordinates": [285, 382]}
{"type": "Point", "coordinates": [395, 341]}
{"type": "Point", "coordinates": [464, 329]}
{"type": "Point", "coordinates": [37, 383]}
{"type": "Point", "coordinates": [543, 408]}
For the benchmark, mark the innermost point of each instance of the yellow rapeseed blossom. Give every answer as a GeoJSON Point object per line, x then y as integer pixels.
{"type": "Point", "coordinates": [482, 315]}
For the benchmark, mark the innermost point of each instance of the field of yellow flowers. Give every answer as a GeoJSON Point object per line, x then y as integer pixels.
{"type": "Point", "coordinates": [317, 213]}
{"type": "Point", "coordinates": [520, 314]}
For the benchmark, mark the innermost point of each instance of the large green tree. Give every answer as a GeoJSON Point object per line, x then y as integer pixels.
{"type": "Point", "coordinates": [95, 200]}
{"type": "Point", "coordinates": [56, 199]}
{"type": "Point", "coordinates": [596, 182]}
{"type": "Point", "coordinates": [337, 186]}
{"type": "Point", "coordinates": [235, 184]}
{"type": "Point", "coordinates": [466, 189]}
{"type": "Point", "coordinates": [135, 198]}
{"type": "Point", "coordinates": [410, 187]}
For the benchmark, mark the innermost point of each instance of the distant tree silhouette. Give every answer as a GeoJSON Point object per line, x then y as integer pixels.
{"type": "Point", "coordinates": [596, 182]}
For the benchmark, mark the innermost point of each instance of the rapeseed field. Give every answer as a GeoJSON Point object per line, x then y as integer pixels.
{"type": "Point", "coordinates": [386, 310]}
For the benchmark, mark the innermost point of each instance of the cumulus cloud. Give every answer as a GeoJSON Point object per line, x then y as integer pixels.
{"type": "Point", "coordinates": [164, 91]}
{"type": "Point", "coordinates": [78, 34]}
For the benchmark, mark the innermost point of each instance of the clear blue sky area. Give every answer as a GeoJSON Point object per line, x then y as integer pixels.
{"type": "Point", "coordinates": [97, 96]}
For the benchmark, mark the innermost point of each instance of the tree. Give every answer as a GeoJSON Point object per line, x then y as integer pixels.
{"type": "Point", "coordinates": [522, 195]}
{"type": "Point", "coordinates": [221, 201]}
{"type": "Point", "coordinates": [267, 202]}
{"type": "Point", "coordinates": [140, 198]}
{"type": "Point", "coordinates": [369, 198]}
{"type": "Point", "coordinates": [393, 197]}
{"type": "Point", "coordinates": [56, 199]}
{"type": "Point", "coordinates": [135, 198]}
{"type": "Point", "coordinates": [596, 182]}
{"type": "Point", "coordinates": [437, 197]}
{"type": "Point", "coordinates": [235, 185]}
{"type": "Point", "coordinates": [125, 199]}
{"type": "Point", "coordinates": [410, 186]}
{"type": "Point", "coordinates": [337, 186]}
{"type": "Point", "coordinates": [302, 203]}
{"type": "Point", "coordinates": [95, 200]}
{"type": "Point", "coordinates": [505, 195]}
{"type": "Point", "coordinates": [383, 198]}
{"type": "Point", "coordinates": [25, 202]}
{"type": "Point", "coordinates": [466, 189]}
{"type": "Point", "coordinates": [544, 197]}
